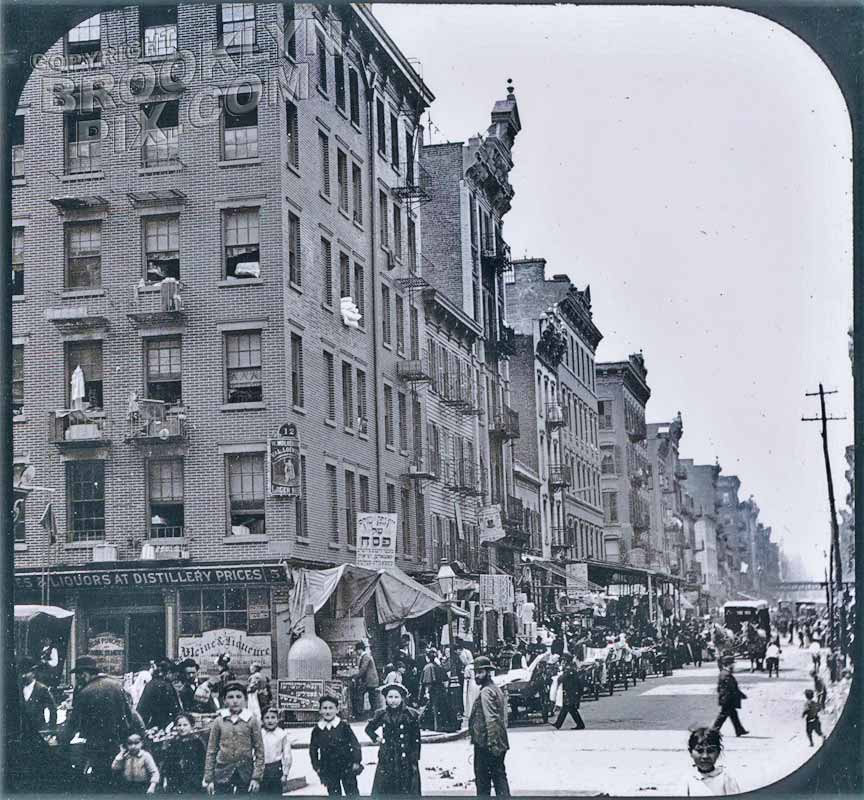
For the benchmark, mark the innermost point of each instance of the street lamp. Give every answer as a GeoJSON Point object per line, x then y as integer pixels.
{"type": "Point", "coordinates": [447, 581]}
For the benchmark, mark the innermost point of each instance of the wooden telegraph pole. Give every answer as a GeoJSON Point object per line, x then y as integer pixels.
{"type": "Point", "coordinates": [837, 571]}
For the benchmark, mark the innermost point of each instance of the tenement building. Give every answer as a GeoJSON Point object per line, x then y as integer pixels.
{"type": "Point", "coordinates": [557, 405]}
{"type": "Point", "coordinates": [701, 485]}
{"type": "Point", "coordinates": [625, 473]}
{"type": "Point", "coordinates": [208, 322]}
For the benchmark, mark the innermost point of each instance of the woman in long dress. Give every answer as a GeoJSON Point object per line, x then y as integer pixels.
{"type": "Point", "coordinates": [398, 770]}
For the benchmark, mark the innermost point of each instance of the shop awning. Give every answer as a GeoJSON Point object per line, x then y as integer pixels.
{"type": "Point", "coordinates": [399, 597]}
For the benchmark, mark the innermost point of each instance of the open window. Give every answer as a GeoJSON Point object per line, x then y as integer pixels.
{"type": "Point", "coordinates": [165, 498]}
{"type": "Point", "coordinates": [158, 30]}
{"type": "Point", "coordinates": [242, 244]}
{"type": "Point", "coordinates": [164, 370]}
{"type": "Point", "coordinates": [162, 248]}
{"type": "Point", "coordinates": [84, 42]}
{"type": "Point", "coordinates": [88, 356]}
{"type": "Point", "coordinates": [18, 261]}
{"type": "Point", "coordinates": [240, 125]}
{"type": "Point", "coordinates": [246, 493]}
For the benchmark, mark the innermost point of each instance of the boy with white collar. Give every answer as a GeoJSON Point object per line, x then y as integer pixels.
{"type": "Point", "coordinates": [235, 752]}
{"type": "Point", "coordinates": [334, 750]}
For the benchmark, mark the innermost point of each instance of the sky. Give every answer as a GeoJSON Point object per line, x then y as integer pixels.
{"type": "Point", "coordinates": [693, 166]}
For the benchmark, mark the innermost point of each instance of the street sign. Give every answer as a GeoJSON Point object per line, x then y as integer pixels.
{"type": "Point", "coordinates": [283, 457]}
{"type": "Point", "coordinates": [491, 529]}
{"type": "Point", "coordinates": [376, 540]}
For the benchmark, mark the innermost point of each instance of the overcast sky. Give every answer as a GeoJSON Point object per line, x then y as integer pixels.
{"type": "Point", "coordinates": [693, 165]}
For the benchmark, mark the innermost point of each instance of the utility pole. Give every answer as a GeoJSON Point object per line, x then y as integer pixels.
{"type": "Point", "coordinates": [837, 570]}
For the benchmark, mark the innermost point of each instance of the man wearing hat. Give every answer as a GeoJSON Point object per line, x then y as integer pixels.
{"type": "Point", "coordinates": [729, 696]}
{"type": "Point", "coordinates": [159, 703]}
{"type": "Point", "coordinates": [488, 728]}
{"type": "Point", "coordinates": [101, 715]}
{"type": "Point", "coordinates": [188, 671]}
{"type": "Point", "coordinates": [36, 698]}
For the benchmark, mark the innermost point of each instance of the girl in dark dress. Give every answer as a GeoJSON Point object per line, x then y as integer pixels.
{"type": "Point", "coordinates": [398, 770]}
{"type": "Point", "coordinates": [183, 765]}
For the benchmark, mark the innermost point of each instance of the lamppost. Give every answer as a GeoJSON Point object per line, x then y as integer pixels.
{"type": "Point", "coordinates": [447, 580]}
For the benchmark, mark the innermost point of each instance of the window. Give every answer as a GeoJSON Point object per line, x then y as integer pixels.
{"type": "Point", "coordinates": [246, 477]}
{"type": "Point", "coordinates": [292, 133]}
{"type": "Point", "coordinates": [161, 133]}
{"type": "Point", "coordinates": [324, 147]}
{"type": "Point", "coordinates": [420, 518]}
{"type": "Point", "coordinates": [242, 244]}
{"type": "Point", "coordinates": [364, 493]}
{"type": "Point", "coordinates": [164, 369]}
{"type": "Point", "coordinates": [347, 396]}
{"type": "Point", "coordinates": [161, 248]}
{"type": "Point", "coordinates": [83, 140]}
{"type": "Point", "coordinates": [403, 422]}
{"type": "Point", "coordinates": [400, 324]}
{"type": "Point", "coordinates": [83, 42]}
{"type": "Point", "coordinates": [17, 261]}
{"type": "Point", "coordinates": [165, 491]}
{"type": "Point", "coordinates": [333, 498]}
{"type": "Point", "coordinates": [85, 490]}
{"type": "Point", "coordinates": [354, 95]}
{"type": "Point", "coordinates": [415, 333]}
{"type": "Point", "coordinates": [322, 63]}
{"type": "Point", "coordinates": [381, 127]}
{"type": "Point", "coordinates": [385, 315]}
{"type": "Point", "coordinates": [326, 272]}
{"type": "Point", "coordinates": [342, 179]}
{"type": "Point", "coordinates": [406, 520]}
{"type": "Point", "coordinates": [238, 608]}
{"type": "Point", "coordinates": [18, 147]}
{"type": "Point", "coordinates": [158, 30]}
{"type": "Point", "coordinates": [388, 416]}
{"type": "Point", "coordinates": [610, 507]}
{"type": "Point", "coordinates": [295, 272]}
{"type": "Point", "coordinates": [88, 356]}
{"type": "Point", "coordinates": [297, 370]}
{"type": "Point", "coordinates": [301, 508]}
{"type": "Point", "coordinates": [362, 424]}
{"type": "Point", "coordinates": [397, 231]}
{"type": "Point", "coordinates": [237, 24]}
{"type": "Point", "coordinates": [394, 141]}
{"type": "Point", "coordinates": [240, 125]}
{"type": "Point", "coordinates": [383, 232]}
{"type": "Point", "coordinates": [20, 521]}
{"type": "Point", "coordinates": [339, 70]}
{"type": "Point", "coordinates": [330, 376]}
{"type": "Point", "coordinates": [344, 275]}
{"type": "Point", "coordinates": [607, 461]}
{"type": "Point", "coordinates": [391, 498]}
{"type": "Point", "coordinates": [243, 367]}
{"type": "Point", "coordinates": [290, 23]}
{"type": "Point", "coordinates": [17, 380]}
{"type": "Point", "coordinates": [360, 291]}
{"type": "Point", "coordinates": [409, 159]}
{"type": "Point", "coordinates": [357, 183]}
{"type": "Point", "coordinates": [412, 244]}
{"type": "Point", "coordinates": [350, 508]}
{"type": "Point", "coordinates": [604, 410]}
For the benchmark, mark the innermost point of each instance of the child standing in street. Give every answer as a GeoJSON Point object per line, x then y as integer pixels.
{"type": "Point", "coordinates": [277, 754]}
{"type": "Point", "coordinates": [183, 767]}
{"type": "Point", "coordinates": [398, 728]}
{"type": "Point", "coordinates": [138, 769]}
{"type": "Point", "coordinates": [811, 717]}
{"type": "Point", "coordinates": [705, 746]}
{"type": "Point", "coordinates": [334, 750]}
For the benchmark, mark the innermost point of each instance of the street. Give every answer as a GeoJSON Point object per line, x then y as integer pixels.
{"type": "Point", "coordinates": [635, 742]}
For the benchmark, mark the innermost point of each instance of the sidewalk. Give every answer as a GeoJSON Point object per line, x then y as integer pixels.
{"type": "Point", "coordinates": [300, 736]}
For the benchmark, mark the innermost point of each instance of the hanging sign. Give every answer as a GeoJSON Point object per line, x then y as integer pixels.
{"type": "Point", "coordinates": [577, 579]}
{"type": "Point", "coordinates": [491, 529]}
{"type": "Point", "coordinates": [496, 591]}
{"type": "Point", "coordinates": [376, 540]}
{"type": "Point", "coordinates": [283, 457]}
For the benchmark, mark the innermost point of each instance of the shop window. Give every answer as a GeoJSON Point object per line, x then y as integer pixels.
{"type": "Point", "coordinates": [18, 261]}
{"type": "Point", "coordinates": [164, 370]}
{"type": "Point", "coordinates": [240, 608]}
{"type": "Point", "coordinates": [161, 126]}
{"type": "Point", "coordinates": [297, 370]}
{"type": "Point", "coordinates": [240, 125]}
{"type": "Point", "coordinates": [88, 356]}
{"type": "Point", "coordinates": [246, 490]}
{"type": "Point", "coordinates": [158, 30]}
{"type": "Point", "coordinates": [236, 24]}
{"type": "Point", "coordinates": [165, 487]}
{"type": "Point", "coordinates": [293, 134]}
{"type": "Point", "coordinates": [18, 167]}
{"type": "Point", "coordinates": [17, 380]}
{"type": "Point", "coordinates": [242, 244]}
{"type": "Point", "coordinates": [162, 248]}
{"type": "Point", "coordinates": [83, 140]}
{"type": "Point", "coordinates": [84, 255]}
{"type": "Point", "coordinates": [347, 396]}
{"type": "Point", "coordinates": [243, 367]}
{"type": "Point", "coordinates": [85, 490]}
{"type": "Point", "coordinates": [354, 95]}
{"type": "Point", "coordinates": [83, 42]}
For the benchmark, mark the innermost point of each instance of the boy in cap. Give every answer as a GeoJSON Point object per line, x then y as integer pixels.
{"type": "Point", "coordinates": [729, 696]}
{"type": "Point", "coordinates": [334, 750]}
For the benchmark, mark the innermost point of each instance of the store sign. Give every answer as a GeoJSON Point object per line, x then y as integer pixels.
{"type": "Point", "coordinates": [577, 579]}
{"type": "Point", "coordinates": [283, 458]}
{"type": "Point", "coordinates": [243, 649]}
{"type": "Point", "coordinates": [109, 651]}
{"type": "Point", "coordinates": [376, 540]}
{"type": "Point", "coordinates": [304, 695]}
{"type": "Point", "coordinates": [496, 591]}
{"type": "Point", "coordinates": [129, 578]}
{"type": "Point", "coordinates": [491, 529]}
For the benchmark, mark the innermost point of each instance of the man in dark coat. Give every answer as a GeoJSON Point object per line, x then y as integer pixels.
{"type": "Point", "coordinates": [729, 696]}
{"type": "Point", "coordinates": [488, 728]}
{"type": "Point", "coordinates": [101, 715]}
{"type": "Point", "coordinates": [36, 698]}
{"type": "Point", "coordinates": [188, 670]}
{"type": "Point", "coordinates": [159, 703]}
{"type": "Point", "coordinates": [571, 683]}
{"type": "Point", "coordinates": [366, 678]}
